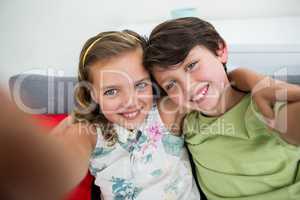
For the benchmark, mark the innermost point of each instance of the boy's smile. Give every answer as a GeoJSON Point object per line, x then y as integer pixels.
{"type": "Point", "coordinates": [199, 95]}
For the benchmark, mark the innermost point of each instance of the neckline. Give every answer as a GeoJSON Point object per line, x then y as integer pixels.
{"type": "Point", "coordinates": [206, 118]}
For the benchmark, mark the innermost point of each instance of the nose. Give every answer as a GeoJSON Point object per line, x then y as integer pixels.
{"type": "Point", "coordinates": [130, 99]}
{"type": "Point", "coordinates": [186, 87]}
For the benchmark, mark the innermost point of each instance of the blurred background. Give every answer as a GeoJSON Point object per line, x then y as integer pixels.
{"type": "Point", "coordinates": [46, 36]}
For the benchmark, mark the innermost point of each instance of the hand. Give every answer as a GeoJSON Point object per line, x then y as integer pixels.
{"type": "Point", "coordinates": [44, 173]}
{"type": "Point", "coordinates": [269, 91]}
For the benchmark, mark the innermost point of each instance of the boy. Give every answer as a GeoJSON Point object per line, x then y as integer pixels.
{"type": "Point", "coordinates": [236, 154]}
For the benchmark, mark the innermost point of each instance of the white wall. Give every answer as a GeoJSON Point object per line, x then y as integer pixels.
{"type": "Point", "coordinates": [36, 35]}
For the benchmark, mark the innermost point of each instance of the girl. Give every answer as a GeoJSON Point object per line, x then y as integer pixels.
{"type": "Point", "coordinates": [237, 156]}
{"type": "Point", "coordinates": [120, 132]}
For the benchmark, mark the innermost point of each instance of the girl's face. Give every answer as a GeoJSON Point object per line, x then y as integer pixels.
{"type": "Point", "coordinates": [198, 81]}
{"type": "Point", "coordinates": [122, 88]}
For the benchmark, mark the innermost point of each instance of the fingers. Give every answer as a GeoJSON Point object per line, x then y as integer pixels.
{"type": "Point", "coordinates": [265, 109]}
{"type": "Point", "coordinates": [267, 112]}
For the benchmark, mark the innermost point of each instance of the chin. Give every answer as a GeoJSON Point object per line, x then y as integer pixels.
{"type": "Point", "coordinates": [132, 124]}
{"type": "Point", "coordinates": [207, 106]}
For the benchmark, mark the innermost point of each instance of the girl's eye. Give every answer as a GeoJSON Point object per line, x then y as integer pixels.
{"type": "Point", "coordinates": [110, 92]}
{"type": "Point", "coordinates": [191, 66]}
{"type": "Point", "coordinates": [141, 86]}
{"type": "Point", "coordinates": [170, 85]}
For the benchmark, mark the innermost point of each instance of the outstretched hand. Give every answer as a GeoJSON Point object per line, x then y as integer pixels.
{"type": "Point", "coordinates": [32, 166]}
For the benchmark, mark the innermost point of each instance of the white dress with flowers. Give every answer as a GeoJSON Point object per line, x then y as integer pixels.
{"type": "Point", "coordinates": [148, 163]}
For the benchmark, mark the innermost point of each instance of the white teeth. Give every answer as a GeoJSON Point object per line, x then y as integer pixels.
{"type": "Point", "coordinates": [202, 94]}
{"type": "Point", "coordinates": [131, 115]}
{"type": "Point", "coordinates": [204, 91]}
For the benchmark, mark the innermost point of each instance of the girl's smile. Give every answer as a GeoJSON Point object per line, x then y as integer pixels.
{"type": "Point", "coordinates": [131, 115]}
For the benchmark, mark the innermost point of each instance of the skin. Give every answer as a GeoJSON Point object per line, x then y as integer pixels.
{"type": "Point", "coordinates": [33, 166]}
{"type": "Point", "coordinates": [200, 83]}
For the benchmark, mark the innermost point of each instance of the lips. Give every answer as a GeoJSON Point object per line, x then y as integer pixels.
{"type": "Point", "coordinates": [131, 114]}
{"type": "Point", "coordinates": [200, 94]}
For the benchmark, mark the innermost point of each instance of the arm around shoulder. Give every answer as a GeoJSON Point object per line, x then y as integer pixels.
{"type": "Point", "coordinates": [287, 123]}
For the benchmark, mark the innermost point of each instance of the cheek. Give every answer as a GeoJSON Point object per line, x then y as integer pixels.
{"type": "Point", "coordinates": [213, 72]}
{"type": "Point", "coordinates": [110, 105]}
{"type": "Point", "coordinates": [109, 109]}
{"type": "Point", "coordinates": [203, 73]}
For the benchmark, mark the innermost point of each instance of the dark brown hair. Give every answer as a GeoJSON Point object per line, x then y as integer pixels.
{"type": "Point", "coordinates": [103, 46]}
{"type": "Point", "coordinates": [170, 42]}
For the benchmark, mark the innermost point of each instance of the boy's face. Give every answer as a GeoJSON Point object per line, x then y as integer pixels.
{"type": "Point", "coordinates": [198, 81]}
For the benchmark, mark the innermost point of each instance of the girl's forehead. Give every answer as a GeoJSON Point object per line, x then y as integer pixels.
{"type": "Point", "coordinates": [121, 72]}
{"type": "Point", "coordinates": [129, 64]}
{"type": "Point", "coordinates": [119, 75]}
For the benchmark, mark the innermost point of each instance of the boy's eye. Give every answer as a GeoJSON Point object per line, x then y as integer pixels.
{"type": "Point", "coordinates": [191, 66]}
{"type": "Point", "coordinates": [110, 92]}
{"type": "Point", "coordinates": [141, 86]}
{"type": "Point", "coordinates": [170, 85]}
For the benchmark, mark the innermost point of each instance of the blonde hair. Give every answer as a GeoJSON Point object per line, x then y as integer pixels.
{"type": "Point", "coordinates": [105, 45]}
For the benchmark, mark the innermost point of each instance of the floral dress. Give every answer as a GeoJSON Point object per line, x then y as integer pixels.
{"type": "Point", "coordinates": [148, 163]}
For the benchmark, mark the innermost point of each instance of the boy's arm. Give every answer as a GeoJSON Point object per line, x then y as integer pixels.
{"type": "Point", "coordinates": [286, 122]}
{"type": "Point", "coordinates": [244, 79]}
{"type": "Point", "coordinates": [266, 92]}
{"type": "Point", "coordinates": [263, 89]}
{"type": "Point", "coordinates": [286, 111]}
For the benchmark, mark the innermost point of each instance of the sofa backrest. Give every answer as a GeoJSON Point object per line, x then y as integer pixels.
{"type": "Point", "coordinates": [39, 94]}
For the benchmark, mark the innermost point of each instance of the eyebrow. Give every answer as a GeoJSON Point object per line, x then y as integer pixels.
{"type": "Point", "coordinates": [143, 79]}
{"type": "Point", "coordinates": [118, 86]}
{"type": "Point", "coordinates": [165, 80]}
{"type": "Point", "coordinates": [173, 67]}
{"type": "Point", "coordinates": [188, 57]}
{"type": "Point", "coordinates": [110, 87]}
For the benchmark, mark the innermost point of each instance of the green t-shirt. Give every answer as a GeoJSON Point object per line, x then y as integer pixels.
{"type": "Point", "coordinates": [237, 157]}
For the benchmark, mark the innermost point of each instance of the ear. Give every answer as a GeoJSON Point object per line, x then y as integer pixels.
{"type": "Point", "coordinates": [222, 53]}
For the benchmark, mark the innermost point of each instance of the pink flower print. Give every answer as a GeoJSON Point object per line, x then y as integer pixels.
{"type": "Point", "coordinates": [154, 135]}
{"type": "Point", "coordinates": [154, 132]}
